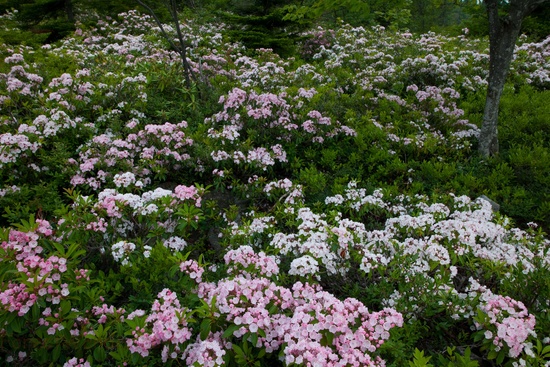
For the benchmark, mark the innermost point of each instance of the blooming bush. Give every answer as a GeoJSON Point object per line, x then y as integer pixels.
{"type": "Point", "coordinates": [314, 211]}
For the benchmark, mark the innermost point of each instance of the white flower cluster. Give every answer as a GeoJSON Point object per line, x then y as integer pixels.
{"type": "Point", "coordinates": [315, 238]}
{"type": "Point", "coordinates": [357, 198]}
{"type": "Point", "coordinates": [305, 266]}
{"type": "Point", "coordinates": [126, 179]}
{"type": "Point", "coordinates": [175, 243]}
{"type": "Point", "coordinates": [121, 251]}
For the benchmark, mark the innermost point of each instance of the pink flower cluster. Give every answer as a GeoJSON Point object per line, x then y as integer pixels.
{"type": "Point", "coordinates": [20, 355]}
{"type": "Point", "coordinates": [531, 61]}
{"type": "Point", "coordinates": [125, 179]}
{"type": "Point", "coordinates": [105, 310]}
{"type": "Point", "coordinates": [310, 325]}
{"type": "Point", "coordinates": [183, 192]}
{"type": "Point", "coordinates": [354, 331]}
{"type": "Point", "coordinates": [115, 213]}
{"type": "Point", "coordinates": [39, 276]}
{"type": "Point", "coordinates": [19, 82]}
{"type": "Point", "coordinates": [147, 151]}
{"type": "Point", "coordinates": [121, 251]}
{"type": "Point", "coordinates": [512, 322]}
{"type": "Point", "coordinates": [276, 115]}
{"type": "Point", "coordinates": [193, 269]}
{"type": "Point", "coordinates": [357, 198]}
{"type": "Point", "coordinates": [315, 237]}
{"type": "Point", "coordinates": [436, 116]}
{"type": "Point", "coordinates": [167, 325]}
{"type": "Point", "coordinates": [14, 147]}
{"type": "Point", "coordinates": [305, 266]}
{"type": "Point", "coordinates": [293, 193]}
{"type": "Point", "coordinates": [77, 362]}
{"type": "Point", "coordinates": [208, 352]}
{"type": "Point", "coordinates": [175, 243]}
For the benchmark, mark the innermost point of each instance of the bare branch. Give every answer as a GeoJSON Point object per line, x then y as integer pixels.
{"type": "Point", "coordinates": [159, 23]}
{"type": "Point", "coordinates": [182, 48]}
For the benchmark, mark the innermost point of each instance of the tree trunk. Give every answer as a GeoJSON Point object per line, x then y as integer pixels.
{"type": "Point", "coordinates": [69, 11]}
{"type": "Point", "coordinates": [503, 34]}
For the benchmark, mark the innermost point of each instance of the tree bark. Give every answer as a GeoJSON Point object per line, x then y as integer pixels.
{"type": "Point", "coordinates": [69, 11]}
{"type": "Point", "coordinates": [503, 34]}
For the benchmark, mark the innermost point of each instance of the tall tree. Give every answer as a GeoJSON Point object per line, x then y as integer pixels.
{"type": "Point", "coordinates": [182, 46]}
{"type": "Point", "coordinates": [505, 20]}
{"type": "Point", "coordinates": [265, 24]}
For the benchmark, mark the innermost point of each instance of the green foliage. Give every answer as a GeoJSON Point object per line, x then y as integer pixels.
{"type": "Point", "coordinates": [536, 26]}
{"type": "Point", "coordinates": [420, 360]}
{"type": "Point", "coordinates": [261, 24]}
{"type": "Point", "coordinates": [525, 135]}
{"type": "Point", "coordinates": [12, 34]}
{"type": "Point", "coordinates": [55, 18]}
{"type": "Point", "coordinates": [436, 15]}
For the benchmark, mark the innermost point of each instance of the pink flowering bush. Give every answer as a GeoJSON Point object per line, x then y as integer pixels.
{"type": "Point", "coordinates": [507, 325]}
{"type": "Point", "coordinates": [149, 153]}
{"type": "Point", "coordinates": [259, 121]}
{"type": "Point", "coordinates": [427, 245]}
{"type": "Point", "coordinates": [41, 290]}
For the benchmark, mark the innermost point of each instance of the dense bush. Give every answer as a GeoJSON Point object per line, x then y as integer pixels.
{"type": "Point", "coordinates": [279, 211]}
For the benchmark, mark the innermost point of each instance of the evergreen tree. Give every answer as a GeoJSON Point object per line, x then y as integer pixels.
{"type": "Point", "coordinates": [436, 15]}
{"type": "Point", "coordinates": [264, 24]}
{"type": "Point", "coordinates": [54, 17]}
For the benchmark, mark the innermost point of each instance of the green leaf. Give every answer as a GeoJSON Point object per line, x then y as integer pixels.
{"type": "Point", "coordinates": [14, 343]}
{"type": "Point", "coordinates": [99, 332]}
{"type": "Point", "coordinates": [205, 328]}
{"type": "Point", "coordinates": [75, 251]}
{"type": "Point", "coordinates": [492, 354]}
{"type": "Point", "coordinates": [16, 324]}
{"type": "Point", "coordinates": [35, 311]}
{"type": "Point", "coordinates": [65, 307]}
{"type": "Point", "coordinates": [60, 249]}
{"type": "Point", "coordinates": [420, 360]}
{"type": "Point", "coordinates": [261, 353]}
{"type": "Point", "coordinates": [254, 338]}
{"type": "Point", "coordinates": [238, 351]}
{"type": "Point", "coordinates": [4, 234]}
{"type": "Point", "coordinates": [500, 357]}
{"type": "Point", "coordinates": [99, 354]}
{"type": "Point", "coordinates": [41, 355]}
{"type": "Point", "coordinates": [261, 333]}
{"type": "Point", "coordinates": [56, 352]}
{"type": "Point", "coordinates": [478, 337]}
{"type": "Point", "coordinates": [230, 330]}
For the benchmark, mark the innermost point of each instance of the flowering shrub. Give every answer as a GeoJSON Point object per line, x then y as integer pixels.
{"type": "Point", "coordinates": [316, 41]}
{"type": "Point", "coordinates": [263, 119]}
{"type": "Point", "coordinates": [278, 212]}
{"type": "Point", "coordinates": [153, 151]}
{"type": "Point", "coordinates": [512, 322]}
